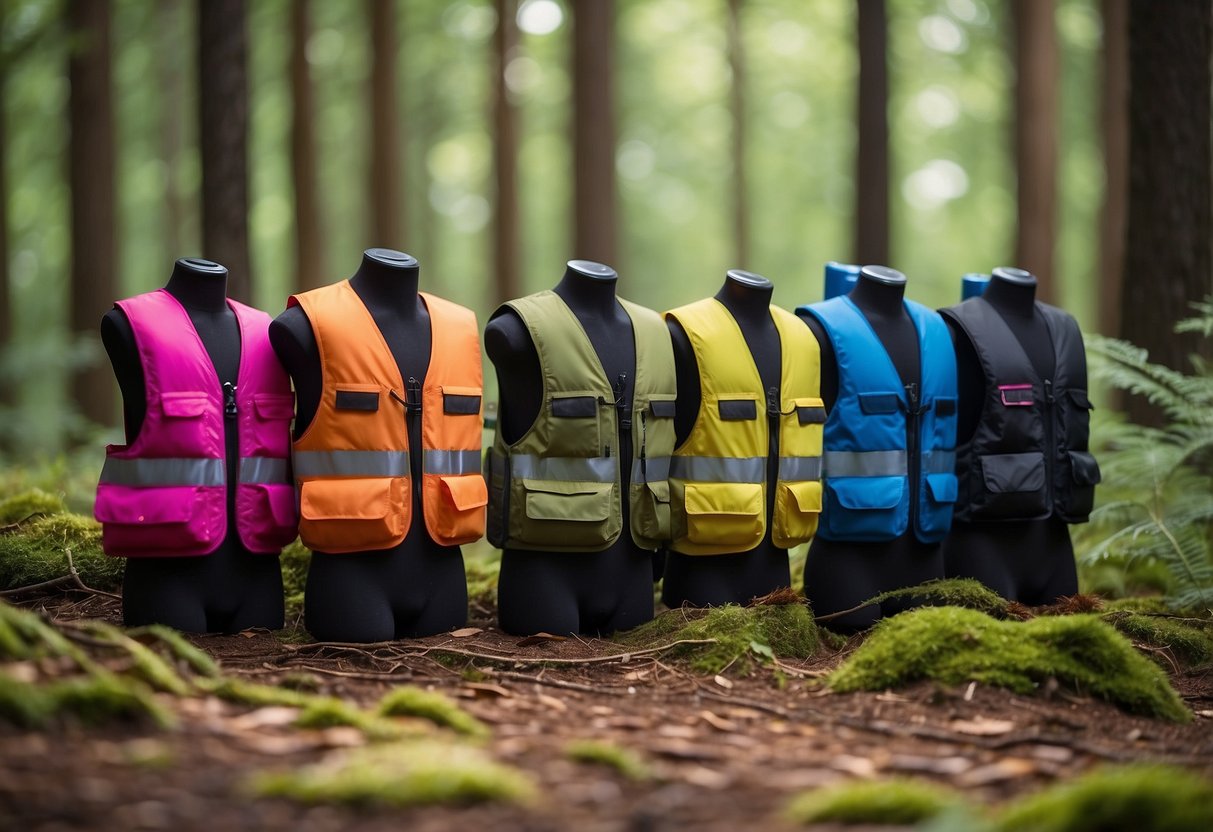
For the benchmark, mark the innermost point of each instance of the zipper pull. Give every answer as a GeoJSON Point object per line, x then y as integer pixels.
{"type": "Point", "coordinates": [621, 405]}
{"type": "Point", "coordinates": [229, 400]}
{"type": "Point", "coordinates": [1049, 390]}
{"type": "Point", "coordinates": [912, 395]}
{"type": "Point", "coordinates": [774, 411]}
{"type": "Point", "coordinates": [412, 396]}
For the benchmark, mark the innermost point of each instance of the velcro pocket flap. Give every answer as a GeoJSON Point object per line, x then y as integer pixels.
{"type": "Point", "coordinates": [660, 489]}
{"type": "Point", "coordinates": [1016, 395]}
{"type": "Point", "coordinates": [588, 502]}
{"type": "Point", "coordinates": [662, 408]}
{"type": "Point", "coordinates": [461, 401]}
{"type": "Point", "coordinates": [1005, 473]}
{"type": "Point", "coordinates": [810, 411]}
{"type": "Point", "coordinates": [140, 506]}
{"type": "Point", "coordinates": [346, 499]}
{"type": "Point", "coordinates": [737, 410]}
{"type": "Point", "coordinates": [943, 488]}
{"type": "Point", "coordinates": [1080, 398]}
{"type": "Point", "coordinates": [365, 400]}
{"type": "Point", "coordinates": [807, 495]}
{"type": "Point", "coordinates": [724, 498]}
{"type": "Point", "coordinates": [274, 406]}
{"type": "Point", "coordinates": [466, 492]}
{"type": "Point", "coordinates": [1085, 469]}
{"type": "Point", "coordinates": [184, 405]}
{"type": "Point", "coordinates": [875, 404]}
{"type": "Point", "coordinates": [867, 493]}
{"type": "Point", "coordinates": [574, 407]}
{"type": "Point", "coordinates": [945, 406]}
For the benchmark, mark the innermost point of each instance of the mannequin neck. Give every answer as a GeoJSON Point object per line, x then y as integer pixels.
{"type": "Point", "coordinates": [199, 289]}
{"type": "Point", "coordinates": [587, 293]}
{"type": "Point", "coordinates": [749, 302]}
{"type": "Point", "coordinates": [387, 284]}
{"type": "Point", "coordinates": [1012, 298]}
{"type": "Point", "coordinates": [874, 297]}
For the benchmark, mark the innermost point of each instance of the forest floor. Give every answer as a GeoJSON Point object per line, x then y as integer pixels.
{"type": "Point", "coordinates": [722, 752]}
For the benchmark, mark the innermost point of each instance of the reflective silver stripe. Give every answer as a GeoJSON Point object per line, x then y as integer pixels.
{"type": "Point", "coordinates": [719, 468]}
{"type": "Point", "coordinates": [940, 462]}
{"type": "Point", "coordinates": [865, 463]}
{"type": "Point", "coordinates": [793, 468]}
{"type": "Point", "coordinates": [351, 463]}
{"type": "Point", "coordinates": [450, 463]}
{"type": "Point", "coordinates": [163, 472]}
{"type": "Point", "coordinates": [263, 469]}
{"type": "Point", "coordinates": [566, 468]}
{"type": "Point", "coordinates": [656, 468]}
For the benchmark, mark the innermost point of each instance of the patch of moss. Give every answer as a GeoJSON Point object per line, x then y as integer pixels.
{"type": "Point", "coordinates": [968, 593]}
{"type": "Point", "coordinates": [898, 802]}
{"type": "Point", "coordinates": [1146, 604]}
{"type": "Point", "coordinates": [24, 635]}
{"type": "Point", "coordinates": [438, 709]}
{"type": "Point", "coordinates": [1191, 643]}
{"type": "Point", "coordinates": [28, 504]}
{"type": "Point", "coordinates": [300, 681]}
{"type": "Point", "coordinates": [146, 663]}
{"type": "Point", "coordinates": [1129, 799]}
{"type": "Point", "coordinates": [953, 646]}
{"type": "Point", "coordinates": [36, 551]}
{"type": "Point", "coordinates": [246, 693]}
{"type": "Point", "coordinates": [179, 647]}
{"type": "Point", "coordinates": [328, 712]}
{"type": "Point", "coordinates": [623, 760]}
{"type": "Point", "coordinates": [401, 774]}
{"type": "Point", "coordinates": [744, 636]}
{"type": "Point", "coordinates": [295, 560]}
{"type": "Point", "coordinates": [95, 699]}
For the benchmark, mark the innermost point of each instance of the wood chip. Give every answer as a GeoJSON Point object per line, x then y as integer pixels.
{"type": "Point", "coordinates": [466, 632]}
{"type": "Point", "coordinates": [968, 697]}
{"type": "Point", "coordinates": [685, 732]}
{"type": "Point", "coordinates": [717, 722]}
{"type": "Point", "coordinates": [982, 727]}
{"type": "Point", "coordinates": [553, 703]}
{"type": "Point", "coordinates": [707, 778]}
{"type": "Point", "coordinates": [724, 682]}
{"type": "Point", "coordinates": [858, 766]}
{"type": "Point", "coordinates": [1008, 768]}
{"type": "Point", "coordinates": [268, 717]}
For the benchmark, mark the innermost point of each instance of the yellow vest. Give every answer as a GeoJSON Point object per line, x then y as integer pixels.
{"type": "Point", "coordinates": [718, 477]}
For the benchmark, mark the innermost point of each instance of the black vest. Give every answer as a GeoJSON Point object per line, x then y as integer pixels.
{"type": "Point", "coordinates": [1028, 457]}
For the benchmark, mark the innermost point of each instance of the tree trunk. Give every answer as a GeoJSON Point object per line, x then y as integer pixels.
{"type": "Point", "coordinates": [172, 122]}
{"type": "Point", "coordinates": [1037, 79]}
{"type": "Point", "coordinates": [1168, 249]}
{"type": "Point", "coordinates": [223, 137]}
{"type": "Point", "coordinates": [593, 24]}
{"type": "Point", "coordinates": [91, 178]}
{"type": "Point", "coordinates": [309, 247]}
{"type": "Point", "coordinates": [506, 251]}
{"type": "Point", "coordinates": [387, 221]}
{"type": "Point", "coordinates": [872, 158]}
{"type": "Point", "coordinates": [1114, 120]}
{"type": "Point", "coordinates": [737, 102]}
{"type": "Point", "coordinates": [6, 309]}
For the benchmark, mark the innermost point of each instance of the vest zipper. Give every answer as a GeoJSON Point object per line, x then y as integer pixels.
{"type": "Point", "coordinates": [412, 407]}
{"type": "Point", "coordinates": [913, 457]}
{"type": "Point", "coordinates": [229, 400]}
{"type": "Point", "coordinates": [774, 412]}
{"type": "Point", "coordinates": [1051, 455]}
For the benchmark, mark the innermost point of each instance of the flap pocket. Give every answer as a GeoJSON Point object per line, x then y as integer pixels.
{"type": "Point", "coordinates": [1016, 395]}
{"type": "Point", "coordinates": [346, 499]}
{"type": "Point", "coordinates": [660, 489]}
{"type": "Point", "coordinates": [875, 404]}
{"type": "Point", "coordinates": [737, 410]}
{"type": "Point", "coordinates": [183, 405]}
{"type": "Point", "coordinates": [578, 501]}
{"type": "Point", "coordinates": [1084, 468]}
{"type": "Point", "coordinates": [943, 488]}
{"type": "Point", "coordinates": [724, 498]}
{"type": "Point", "coordinates": [574, 407]}
{"type": "Point", "coordinates": [662, 408]}
{"type": "Point", "coordinates": [461, 401]}
{"type": "Point", "coordinates": [1079, 397]}
{"type": "Point", "coordinates": [274, 406]}
{"type": "Point", "coordinates": [1005, 473]}
{"type": "Point", "coordinates": [365, 400]}
{"type": "Point", "coordinates": [867, 493]}
{"type": "Point", "coordinates": [806, 495]}
{"type": "Point", "coordinates": [725, 514]}
{"type": "Point", "coordinates": [810, 411]}
{"type": "Point", "coordinates": [142, 506]}
{"type": "Point", "coordinates": [466, 492]}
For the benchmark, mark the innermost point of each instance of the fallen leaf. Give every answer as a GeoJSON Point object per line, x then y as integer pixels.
{"type": "Point", "coordinates": [717, 722]}
{"type": "Point", "coordinates": [918, 764]}
{"type": "Point", "coordinates": [553, 703]}
{"type": "Point", "coordinates": [268, 717]}
{"type": "Point", "coordinates": [858, 766]}
{"type": "Point", "coordinates": [466, 632]}
{"type": "Point", "coordinates": [538, 638]}
{"type": "Point", "coordinates": [248, 634]}
{"type": "Point", "coordinates": [982, 727]}
{"type": "Point", "coordinates": [682, 732]}
{"type": "Point", "coordinates": [707, 778]}
{"type": "Point", "coordinates": [727, 684]}
{"type": "Point", "coordinates": [1010, 768]}
{"type": "Point", "coordinates": [487, 689]}
{"type": "Point", "coordinates": [1206, 714]}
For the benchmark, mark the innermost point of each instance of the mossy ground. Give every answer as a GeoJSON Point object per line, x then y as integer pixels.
{"type": "Point", "coordinates": [1190, 640]}
{"type": "Point", "coordinates": [953, 645]}
{"type": "Point", "coordinates": [744, 636]}
{"type": "Point", "coordinates": [401, 774]}
{"type": "Point", "coordinates": [886, 802]}
{"type": "Point", "coordinates": [438, 709]}
{"type": "Point", "coordinates": [28, 504]}
{"type": "Point", "coordinates": [623, 760]}
{"type": "Point", "coordinates": [35, 550]}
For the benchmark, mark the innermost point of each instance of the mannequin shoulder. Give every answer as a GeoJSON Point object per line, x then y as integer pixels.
{"type": "Point", "coordinates": [292, 329]}
{"type": "Point", "coordinates": [506, 336]}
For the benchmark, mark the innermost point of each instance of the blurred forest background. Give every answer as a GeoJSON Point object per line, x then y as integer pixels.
{"type": "Point", "coordinates": [673, 139]}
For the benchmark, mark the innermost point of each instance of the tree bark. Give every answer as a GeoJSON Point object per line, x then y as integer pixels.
{"type": "Point", "coordinates": [594, 233]}
{"type": "Point", "coordinates": [172, 122]}
{"type": "Point", "coordinates": [309, 246]}
{"type": "Point", "coordinates": [387, 220]}
{"type": "Point", "coordinates": [872, 158]}
{"type": "Point", "coordinates": [91, 178]}
{"type": "Point", "coordinates": [223, 138]}
{"type": "Point", "coordinates": [1168, 249]}
{"type": "Point", "coordinates": [737, 102]}
{"type": "Point", "coordinates": [1114, 121]}
{"type": "Point", "coordinates": [1037, 79]}
{"type": "Point", "coordinates": [506, 248]}
{"type": "Point", "coordinates": [6, 309]}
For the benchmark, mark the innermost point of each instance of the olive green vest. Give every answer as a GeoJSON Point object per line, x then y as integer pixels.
{"type": "Point", "coordinates": [557, 488]}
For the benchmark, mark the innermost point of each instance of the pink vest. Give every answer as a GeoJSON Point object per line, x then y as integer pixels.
{"type": "Point", "coordinates": [165, 494]}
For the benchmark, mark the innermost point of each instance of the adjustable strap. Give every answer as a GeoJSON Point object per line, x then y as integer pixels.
{"type": "Point", "coordinates": [865, 464]}
{"type": "Point", "coordinates": [263, 469]}
{"type": "Point", "coordinates": [752, 469]}
{"type": "Point", "coordinates": [450, 463]}
{"type": "Point", "coordinates": [351, 463]}
{"type": "Point", "coordinates": [164, 472]}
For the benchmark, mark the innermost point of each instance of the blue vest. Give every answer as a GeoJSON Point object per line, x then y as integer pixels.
{"type": "Point", "coordinates": [890, 454]}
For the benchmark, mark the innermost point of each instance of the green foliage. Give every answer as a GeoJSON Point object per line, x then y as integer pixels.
{"type": "Point", "coordinates": [96, 699]}
{"type": "Point", "coordinates": [401, 774]}
{"type": "Point", "coordinates": [1158, 798]}
{"type": "Point", "coordinates": [24, 635]}
{"type": "Point", "coordinates": [438, 709]}
{"type": "Point", "coordinates": [36, 551]}
{"type": "Point", "coordinates": [178, 646]}
{"type": "Point", "coordinates": [744, 636]}
{"type": "Point", "coordinates": [623, 760]}
{"type": "Point", "coordinates": [1189, 640]}
{"type": "Point", "coordinates": [235, 690]}
{"type": "Point", "coordinates": [953, 646]}
{"type": "Point", "coordinates": [329, 712]}
{"type": "Point", "coordinates": [27, 504]}
{"type": "Point", "coordinates": [899, 802]}
{"type": "Point", "coordinates": [295, 560]}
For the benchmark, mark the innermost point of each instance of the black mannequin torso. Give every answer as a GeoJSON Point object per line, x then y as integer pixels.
{"type": "Point", "coordinates": [229, 589]}
{"type": "Point", "coordinates": [839, 575]}
{"type": "Point", "coordinates": [559, 592]}
{"type": "Point", "coordinates": [1030, 561]}
{"type": "Point", "coordinates": [414, 589]}
{"type": "Point", "coordinates": [736, 578]}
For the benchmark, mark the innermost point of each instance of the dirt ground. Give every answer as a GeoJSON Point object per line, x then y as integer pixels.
{"type": "Point", "coordinates": [725, 756]}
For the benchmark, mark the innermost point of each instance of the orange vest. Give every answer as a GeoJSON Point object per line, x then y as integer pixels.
{"type": "Point", "coordinates": [352, 463]}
